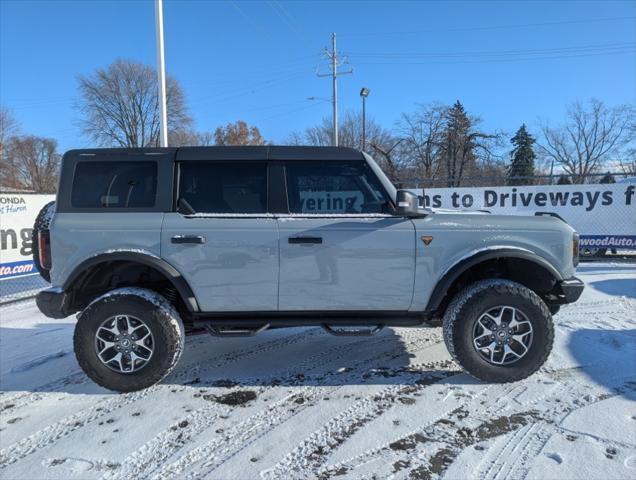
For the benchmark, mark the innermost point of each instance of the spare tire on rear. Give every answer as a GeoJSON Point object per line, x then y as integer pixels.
{"type": "Point", "coordinates": [41, 224]}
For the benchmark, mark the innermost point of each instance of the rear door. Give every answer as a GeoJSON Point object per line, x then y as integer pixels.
{"type": "Point", "coordinates": [222, 239]}
{"type": "Point", "coordinates": [340, 248]}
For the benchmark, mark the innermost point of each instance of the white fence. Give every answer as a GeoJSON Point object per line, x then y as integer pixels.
{"type": "Point", "coordinates": [603, 214]}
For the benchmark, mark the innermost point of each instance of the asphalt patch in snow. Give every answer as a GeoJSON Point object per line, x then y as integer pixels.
{"type": "Point", "coordinates": [240, 397]}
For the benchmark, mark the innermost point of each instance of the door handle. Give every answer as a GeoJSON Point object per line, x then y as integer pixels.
{"type": "Point", "coordinates": [305, 240]}
{"type": "Point", "coordinates": [188, 239]}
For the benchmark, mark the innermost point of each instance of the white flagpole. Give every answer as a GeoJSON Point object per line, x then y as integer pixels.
{"type": "Point", "coordinates": [161, 71]}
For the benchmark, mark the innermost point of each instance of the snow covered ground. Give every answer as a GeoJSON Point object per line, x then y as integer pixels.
{"type": "Point", "coordinates": [302, 404]}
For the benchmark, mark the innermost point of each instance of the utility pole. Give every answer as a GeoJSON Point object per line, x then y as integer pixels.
{"type": "Point", "coordinates": [335, 63]}
{"type": "Point", "coordinates": [161, 72]}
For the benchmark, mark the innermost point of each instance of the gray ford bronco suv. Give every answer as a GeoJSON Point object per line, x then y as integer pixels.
{"type": "Point", "coordinates": [149, 245]}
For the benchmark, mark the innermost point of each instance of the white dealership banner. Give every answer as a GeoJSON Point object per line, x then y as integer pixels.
{"type": "Point", "coordinates": [17, 215]}
{"type": "Point", "coordinates": [603, 214]}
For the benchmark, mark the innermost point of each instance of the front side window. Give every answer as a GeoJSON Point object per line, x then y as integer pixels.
{"type": "Point", "coordinates": [114, 185]}
{"type": "Point", "coordinates": [333, 187]}
{"type": "Point", "coordinates": [224, 187]}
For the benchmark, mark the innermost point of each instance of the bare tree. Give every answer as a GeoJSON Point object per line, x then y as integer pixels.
{"type": "Point", "coordinates": [31, 163]}
{"type": "Point", "coordinates": [190, 138]}
{"type": "Point", "coordinates": [586, 142]}
{"type": "Point", "coordinates": [238, 133]}
{"type": "Point", "coordinates": [627, 159]}
{"type": "Point", "coordinates": [422, 134]}
{"type": "Point", "coordinates": [9, 127]}
{"type": "Point", "coordinates": [349, 133]}
{"type": "Point", "coordinates": [390, 159]}
{"type": "Point", "coordinates": [119, 105]}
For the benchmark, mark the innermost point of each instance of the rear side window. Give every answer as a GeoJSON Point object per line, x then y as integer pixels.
{"type": "Point", "coordinates": [114, 185]}
{"type": "Point", "coordinates": [224, 187]}
{"type": "Point", "coordinates": [332, 187]}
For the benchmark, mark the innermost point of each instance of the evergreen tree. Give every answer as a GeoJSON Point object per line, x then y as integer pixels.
{"type": "Point", "coordinates": [458, 144]}
{"type": "Point", "coordinates": [564, 180]}
{"type": "Point", "coordinates": [522, 158]}
{"type": "Point", "coordinates": [607, 178]}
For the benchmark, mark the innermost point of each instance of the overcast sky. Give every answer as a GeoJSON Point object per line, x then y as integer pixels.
{"type": "Point", "coordinates": [508, 62]}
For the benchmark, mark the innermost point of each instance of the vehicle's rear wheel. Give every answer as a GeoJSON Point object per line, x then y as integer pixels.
{"type": "Point", "coordinates": [594, 252]}
{"type": "Point", "coordinates": [498, 330]}
{"type": "Point", "coordinates": [128, 339]}
{"type": "Point", "coordinates": [41, 224]}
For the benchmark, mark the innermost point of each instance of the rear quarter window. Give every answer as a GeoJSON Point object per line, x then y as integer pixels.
{"type": "Point", "coordinates": [114, 185]}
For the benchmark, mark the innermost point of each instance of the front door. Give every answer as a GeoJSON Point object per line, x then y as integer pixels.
{"type": "Point", "coordinates": [339, 248]}
{"type": "Point", "coordinates": [222, 240]}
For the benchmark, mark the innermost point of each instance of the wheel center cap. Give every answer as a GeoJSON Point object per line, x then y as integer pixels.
{"type": "Point", "coordinates": [501, 333]}
{"type": "Point", "coordinates": [125, 343]}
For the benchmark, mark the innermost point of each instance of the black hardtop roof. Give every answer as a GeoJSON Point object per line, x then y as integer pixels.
{"type": "Point", "coordinates": [266, 152]}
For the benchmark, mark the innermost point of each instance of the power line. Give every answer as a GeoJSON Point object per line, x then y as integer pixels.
{"type": "Point", "coordinates": [256, 24]}
{"type": "Point", "coordinates": [504, 60]}
{"type": "Point", "coordinates": [289, 112]}
{"type": "Point", "coordinates": [492, 27]}
{"type": "Point", "coordinates": [249, 90]}
{"type": "Point", "coordinates": [497, 53]}
{"type": "Point", "coordinates": [282, 13]}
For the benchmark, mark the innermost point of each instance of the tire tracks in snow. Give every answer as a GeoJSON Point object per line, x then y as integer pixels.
{"type": "Point", "coordinates": [167, 442]}
{"type": "Point", "coordinates": [431, 429]}
{"type": "Point", "coordinates": [309, 458]}
{"type": "Point", "coordinates": [217, 451]}
{"type": "Point", "coordinates": [64, 427]}
{"type": "Point", "coordinates": [451, 435]}
{"type": "Point", "coordinates": [536, 439]}
{"type": "Point", "coordinates": [69, 424]}
{"type": "Point", "coordinates": [312, 452]}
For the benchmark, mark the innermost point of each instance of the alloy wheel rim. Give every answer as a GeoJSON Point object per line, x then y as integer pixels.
{"type": "Point", "coordinates": [502, 335]}
{"type": "Point", "coordinates": [124, 343]}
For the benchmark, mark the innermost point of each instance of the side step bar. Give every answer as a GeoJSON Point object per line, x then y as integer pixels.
{"type": "Point", "coordinates": [352, 331]}
{"type": "Point", "coordinates": [338, 331]}
{"type": "Point", "coordinates": [235, 332]}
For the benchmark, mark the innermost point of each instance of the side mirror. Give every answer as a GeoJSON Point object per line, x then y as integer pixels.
{"type": "Point", "coordinates": [407, 204]}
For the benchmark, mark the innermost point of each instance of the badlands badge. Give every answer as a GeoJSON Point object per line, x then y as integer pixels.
{"type": "Point", "coordinates": [427, 239]}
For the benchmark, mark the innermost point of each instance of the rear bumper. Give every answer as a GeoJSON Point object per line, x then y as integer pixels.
{"type": "Point", "coordinates": [52, 302]}
{"type": "Point", "coordinates": [570, 290]}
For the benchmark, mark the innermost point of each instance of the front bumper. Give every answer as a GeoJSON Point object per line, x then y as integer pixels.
{"type": "Point", "coordinates": [52, 302]}
{"type": "Point", "coordinates": [569, 290]}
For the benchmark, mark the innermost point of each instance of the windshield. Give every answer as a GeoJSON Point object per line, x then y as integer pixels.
{"type": "Point", "coordinates": [386, 183]}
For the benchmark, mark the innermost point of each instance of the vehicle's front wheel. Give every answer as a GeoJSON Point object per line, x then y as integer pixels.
{"type": "Point", "coordinates": [498, 330]}
{"type": "Point", "coordinates": [128, 339]}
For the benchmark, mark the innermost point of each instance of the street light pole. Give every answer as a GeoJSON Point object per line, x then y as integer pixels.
{"type": "Point", "coordinates": [364, 93]}
{"type": "Point", "coordinates": [161, 72]}
{"type": "Point", "coordinates": [364, 123]}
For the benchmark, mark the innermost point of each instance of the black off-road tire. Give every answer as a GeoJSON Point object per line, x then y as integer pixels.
{"type": "Point", "coordinates": [161, 319]}
{"type": "Point", "coordinates": [42, 222]}
{"type": "Point", "coordinates": [471, 303]}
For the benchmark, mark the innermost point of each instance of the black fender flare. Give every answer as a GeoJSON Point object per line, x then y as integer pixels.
{"type": "Point", "coordinates": [454, 272]}
{"type": "Point", "coordinates": [147, 259]}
